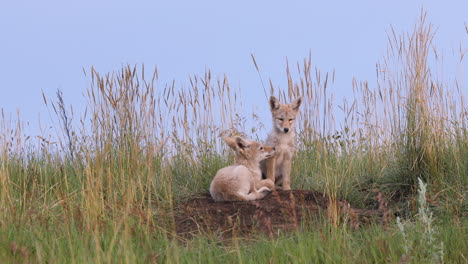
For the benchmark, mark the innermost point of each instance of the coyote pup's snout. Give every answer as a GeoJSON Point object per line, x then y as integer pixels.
{"type": "Point", "coordinates": [243, 180]}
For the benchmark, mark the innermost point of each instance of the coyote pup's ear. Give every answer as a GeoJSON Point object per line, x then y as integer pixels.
{"type": "Point", "coordinates": [274, 103]}
{"type": "Point", "coordinates": [242, 144]}
{"type": "Point", "coordinates": [231, 142]}
{"type": "Point", "coordinates": [296, 103]}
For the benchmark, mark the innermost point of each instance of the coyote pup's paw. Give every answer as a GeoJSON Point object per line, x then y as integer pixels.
{"type": "Point", "coordinates": [264, 190]}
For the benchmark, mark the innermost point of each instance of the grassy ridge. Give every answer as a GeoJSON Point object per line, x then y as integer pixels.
{"type": "Point", "coordinates": [104, 188]}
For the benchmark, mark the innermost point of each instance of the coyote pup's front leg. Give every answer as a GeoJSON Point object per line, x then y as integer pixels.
{"type": "Point", "coordinates": [270, 167]}
{"type": "Point", "coordinates": [286, 173]}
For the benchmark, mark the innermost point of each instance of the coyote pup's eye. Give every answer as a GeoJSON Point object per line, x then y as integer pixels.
{"type": "Point", "coordinates": [290, 120]}
{"type": "Point", "coordinates": [280, 119]}
{"type": "Point", "coordinates": [261, 148]}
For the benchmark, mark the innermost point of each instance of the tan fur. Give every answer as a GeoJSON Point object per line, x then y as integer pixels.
{"type": "Point", "coordinates": [283, 137]}
{"type": "Point", "coordinates": [243, 180]}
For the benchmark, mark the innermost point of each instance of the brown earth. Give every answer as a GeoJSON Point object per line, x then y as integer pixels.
{"type": "Point", "coordinates": [279, 211]}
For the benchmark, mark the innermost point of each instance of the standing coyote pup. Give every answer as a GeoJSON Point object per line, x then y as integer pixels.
{"type": "Point", "coordinates": [243, 180]}
{"type": "Point", "coordinates": [283, 137]}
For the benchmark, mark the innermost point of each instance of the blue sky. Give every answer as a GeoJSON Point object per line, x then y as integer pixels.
{"type": "Point", "coordinates": [46, 44]}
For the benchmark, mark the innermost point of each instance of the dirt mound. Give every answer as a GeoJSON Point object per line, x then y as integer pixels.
{"type": "Point", "coordinates": [278, 211]}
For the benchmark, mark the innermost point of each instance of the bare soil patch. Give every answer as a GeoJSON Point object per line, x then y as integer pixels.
{"type": "Point", "coordinates": [278, 212]}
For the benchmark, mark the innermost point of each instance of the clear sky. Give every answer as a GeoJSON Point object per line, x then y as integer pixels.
{"type": "Point", "coordinates": [45, 45]}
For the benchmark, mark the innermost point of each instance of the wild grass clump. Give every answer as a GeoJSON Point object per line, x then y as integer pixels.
{"type": "Point", "coordinates": [106, 187]}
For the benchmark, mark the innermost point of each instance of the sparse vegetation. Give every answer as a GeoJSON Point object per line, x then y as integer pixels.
{"type": "Point", "coordinates": [104, 189]}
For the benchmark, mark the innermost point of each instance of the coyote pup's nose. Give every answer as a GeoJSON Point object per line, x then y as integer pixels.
{"type": "Point", "coordinates": [286, 130]}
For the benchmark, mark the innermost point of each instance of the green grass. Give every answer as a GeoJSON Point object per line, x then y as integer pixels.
{"type": "Point", "coordinates": [66, 242]}
{"type": "Point", "coordinates": [104, 188]}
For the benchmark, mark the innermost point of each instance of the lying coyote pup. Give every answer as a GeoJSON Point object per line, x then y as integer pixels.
{"type": "Point", "coordinates": [283, 137]}
{"type": "Point", "coordinates": [243, 180]}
